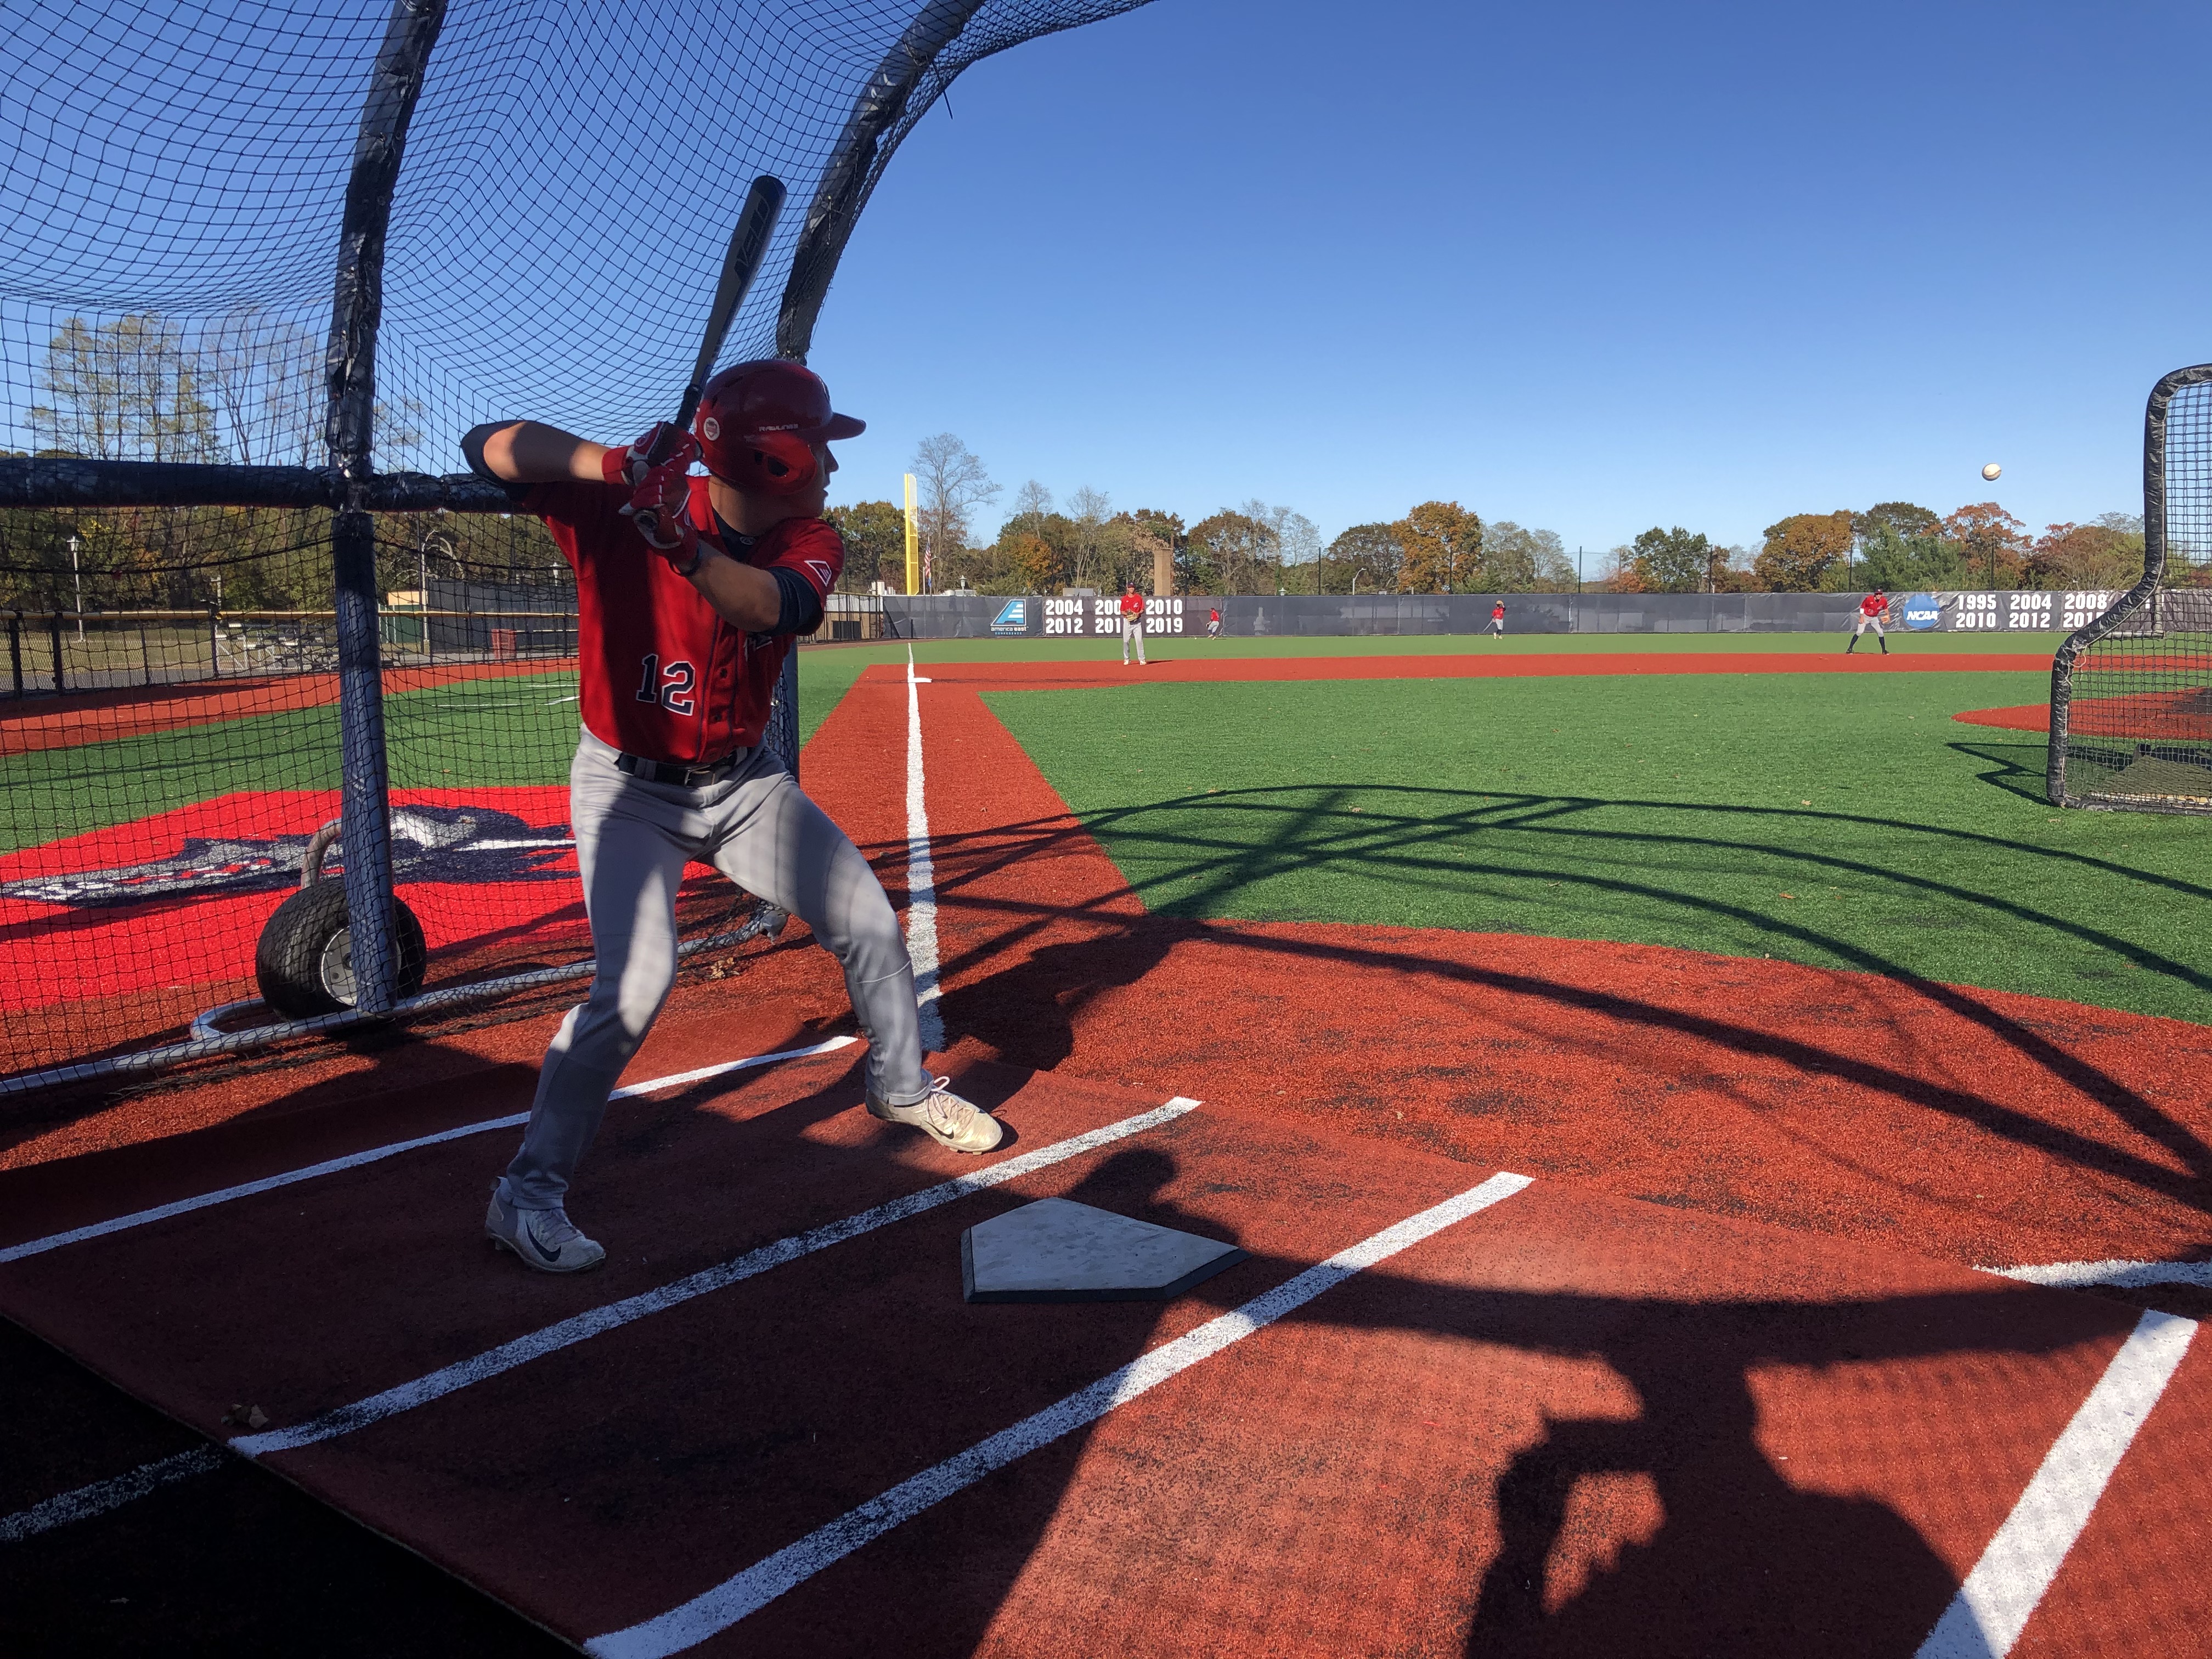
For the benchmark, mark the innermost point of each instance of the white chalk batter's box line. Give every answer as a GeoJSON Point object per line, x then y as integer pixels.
{"type": "Point", "coordinates": [377, 1154]}
{"type": "Point", "coordinates": [101, 1496]}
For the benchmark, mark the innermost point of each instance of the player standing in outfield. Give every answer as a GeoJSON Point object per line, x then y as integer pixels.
{"type": "Point", "coordinates": [1214, 623]}
{"type": "Point", "coordinates": [1872, 610]}
{"type": "Point", "coordinates": [680, 638]}
{"type": "Point", "coordinates": [1132, 624]}
{"type": "Point", "coordinates": [1497, 620]}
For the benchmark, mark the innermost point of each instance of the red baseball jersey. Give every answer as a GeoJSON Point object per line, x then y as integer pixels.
{"type": "Point", "coordinates": [1497, 610]}
{"type": "Point", "coordinates": [1873, 605]}
{"type": "Point", "coordinates": [1132, 604]}
{"type": "Point", "coordinates": [664, 676]}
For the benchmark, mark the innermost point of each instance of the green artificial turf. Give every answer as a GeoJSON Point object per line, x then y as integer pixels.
{"type": "Point", "coordinates": [517, 729]}
{"type": "Point", "coordinates": [1843, 822]}
{"type": "Point", "coordinates": [826, 673]}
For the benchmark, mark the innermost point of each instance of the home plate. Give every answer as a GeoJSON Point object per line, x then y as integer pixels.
{"type": "Point", "coordinates": [1058, 1250]}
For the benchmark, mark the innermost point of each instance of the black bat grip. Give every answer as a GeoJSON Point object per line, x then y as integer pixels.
{"type": "Point", "coordinates": [670, 436]}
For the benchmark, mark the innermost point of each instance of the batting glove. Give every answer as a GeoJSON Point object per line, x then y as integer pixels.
{"type": "Point", "coordinates": [659, 510]}
{"type": "Point", "coordinates": [629, 466]}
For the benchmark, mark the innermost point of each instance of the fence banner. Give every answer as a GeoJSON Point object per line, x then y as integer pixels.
{"type": "Point", "coordinates": [962, 617]}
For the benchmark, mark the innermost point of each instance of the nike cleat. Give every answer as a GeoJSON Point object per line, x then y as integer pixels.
{"type": "Point", "coordinates": [944, 1118]}
{"type": "Point", "coordinates": [545, 1239]}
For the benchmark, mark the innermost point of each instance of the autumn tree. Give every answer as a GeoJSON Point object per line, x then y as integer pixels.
{"type": "Point", "coordinates": [1230, 552]}
{"type": "Point", "coordinates": [874, 534]}
{"type": "Point", "coordinates": [1441, 540]}
{"type": "Point", "coordinates": [952, 485]}
{"type": "Point", "coordinates": [1673, 561]}
{"type": "Point", "coordinates": [1365, 557]}
{"type": "Point", "coordinates": [1087, 511]}
{"type": "Point", "coordinates": [1993, 544]}
{"type": "Point", "coordinates": [2102, 554]}
{"type": "Point", "coordinates": [1801, 550]}
{"type": "Point", "coordinates": [1902, 520]}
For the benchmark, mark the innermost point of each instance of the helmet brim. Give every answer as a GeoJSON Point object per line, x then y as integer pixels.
{"type": "Point", "coordinates": [837, 426]}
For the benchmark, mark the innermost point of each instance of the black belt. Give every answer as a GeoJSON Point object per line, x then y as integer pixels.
{"type": "Point", "coordinates": [689, 777]}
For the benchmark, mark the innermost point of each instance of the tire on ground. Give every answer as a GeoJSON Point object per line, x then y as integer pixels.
{"type": "Point", "coordinates": [304, 960]}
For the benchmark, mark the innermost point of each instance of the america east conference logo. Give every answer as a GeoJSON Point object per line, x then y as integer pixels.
{"type": "Point", "coordinates": [429, 843]}
{"type": "Point", "coordinates": [1014, 617]}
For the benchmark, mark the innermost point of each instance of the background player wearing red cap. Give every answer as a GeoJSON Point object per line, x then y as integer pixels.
{"type": "Point", "coordinates": [689, 592]}
{"type": "Point", "coordinates": [1872, 610]}
{"type": "Point", "coordinates": [1132, 623]}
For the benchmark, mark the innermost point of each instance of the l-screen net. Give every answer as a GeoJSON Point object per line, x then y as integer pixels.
{"type": "Point", "coordinates": [174, 183]}
{"type": "Point", "coordinates": [2131, 694]}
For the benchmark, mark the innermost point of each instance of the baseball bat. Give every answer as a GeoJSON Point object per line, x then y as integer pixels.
{"type": "Point", "coordinates": [748, 246]}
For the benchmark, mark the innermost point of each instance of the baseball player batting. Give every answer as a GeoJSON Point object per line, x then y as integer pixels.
{"type": "Point", "coordinates": [689, 592]}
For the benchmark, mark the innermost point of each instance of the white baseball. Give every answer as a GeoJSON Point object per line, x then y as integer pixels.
{"type": "Point", "coordinates": [1992, 471]}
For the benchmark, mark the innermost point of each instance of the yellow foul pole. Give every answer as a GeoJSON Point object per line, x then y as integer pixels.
{"type": "Point", "coordinates": [913, 550]}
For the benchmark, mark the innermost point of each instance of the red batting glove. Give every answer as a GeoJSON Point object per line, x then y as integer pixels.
{"type": "Point", "coordinates": [660, 510]}
{"type": "Point", "coordinates": [629, 467]}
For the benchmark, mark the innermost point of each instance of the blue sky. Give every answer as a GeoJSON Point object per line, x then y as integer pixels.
{"type": "Point", "coordinates": [1588, 267]}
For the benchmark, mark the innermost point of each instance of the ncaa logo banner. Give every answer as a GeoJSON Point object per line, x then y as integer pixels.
{"type": "Point", "coordinates": [1014, 617]}
{"type": "Point", "coordinates": [1922, 611]}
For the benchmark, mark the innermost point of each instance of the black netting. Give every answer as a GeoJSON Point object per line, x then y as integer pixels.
{"type": "Point", "coordinates": [175, 187]}
{"type": "Point", "coordinates": [2132, 708]}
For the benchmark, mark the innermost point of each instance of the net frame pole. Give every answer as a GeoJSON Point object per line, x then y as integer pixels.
{"type": "Point", "coordinates": [349, 365]}
{"type": "Point", "coordinates": [2142, 597]}
{"type": "Point", "coordinates": [846, 182]}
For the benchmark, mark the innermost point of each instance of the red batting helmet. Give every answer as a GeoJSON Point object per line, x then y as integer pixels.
{"type": "Point", "coordinates": [758, 423]}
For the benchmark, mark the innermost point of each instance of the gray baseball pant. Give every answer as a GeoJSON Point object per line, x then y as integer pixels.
{"type": "Point", "coordinates": [1132, 627]}
{"type": "Point", "coordinates": [633, 840]}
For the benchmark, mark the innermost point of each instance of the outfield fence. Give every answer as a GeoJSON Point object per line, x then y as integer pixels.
{"type": "Point", "coordinates": [1301, 616]}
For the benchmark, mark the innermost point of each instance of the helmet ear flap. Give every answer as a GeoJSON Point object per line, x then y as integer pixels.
{"type": "Point", "coordinates": [779, 464]}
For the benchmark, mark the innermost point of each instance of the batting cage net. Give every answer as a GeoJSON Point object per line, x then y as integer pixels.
{"type": "Point", "coordinates": [263, 264]}
{"type": "Point", "coordinates": [2131, 693]}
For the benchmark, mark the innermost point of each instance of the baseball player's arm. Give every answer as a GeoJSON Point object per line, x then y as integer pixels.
{"type": "Point", "coordinates": [528, 451]}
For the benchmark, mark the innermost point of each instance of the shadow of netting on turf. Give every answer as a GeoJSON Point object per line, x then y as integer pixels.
{"type": "Point", "coordinates": [2131, 694]}
{"type": "Point", "coordinates": [524, 209]}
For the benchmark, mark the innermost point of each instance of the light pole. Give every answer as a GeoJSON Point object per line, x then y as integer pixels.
{"type": "Point", "coordinates": [77, 585]}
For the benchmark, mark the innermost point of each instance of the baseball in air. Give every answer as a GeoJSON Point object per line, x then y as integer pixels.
{"type": "Point", "coordinates": [1992, 471]}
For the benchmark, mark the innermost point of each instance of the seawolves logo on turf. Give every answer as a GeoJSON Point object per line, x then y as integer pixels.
{"type": "Point", "coordinates": [429, 843]}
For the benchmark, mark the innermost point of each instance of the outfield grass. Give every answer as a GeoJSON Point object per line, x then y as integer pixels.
{"type": "Point", "coordinates": [826, 673]}
{"type": "Point", "coordinates": [1844, 823]}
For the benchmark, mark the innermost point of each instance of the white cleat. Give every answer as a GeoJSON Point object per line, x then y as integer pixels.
{"type": "Point", "coordinates": [944, 1118]}
{"type": "Point", "coordinates": [545, 1239]}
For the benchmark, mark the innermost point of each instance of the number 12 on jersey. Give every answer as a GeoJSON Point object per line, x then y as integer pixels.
{"type": "Point", "coordinates": [670, 687]}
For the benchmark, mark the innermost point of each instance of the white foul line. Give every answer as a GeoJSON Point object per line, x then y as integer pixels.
{"type": "Point", "coordinates": [2127, 1274]}
{"type": "Point", "coordinates": [494, 1362]}
{"type": "Point", "coordinates": [105, 1495]}
{"type": "Point", "coordinates": [1992, 1607]}
{"type": "Point", "coordinates": [921, 876]}
{"type": "Point", "coordinates": [758, 1585]}
{"type": "Point", "coordinates": [354, 1160]}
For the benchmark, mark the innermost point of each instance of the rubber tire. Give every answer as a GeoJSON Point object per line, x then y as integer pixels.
{"type": "Point", "coordinates": [289, 960]}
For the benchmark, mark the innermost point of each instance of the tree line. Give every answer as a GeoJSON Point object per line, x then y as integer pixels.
{"type": "Point", "coordinates": [245, 388]}
{"type": "Point", "coordinates": [1897, 545]}
{"type": "Point", "coordinates": [1443, 547]}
